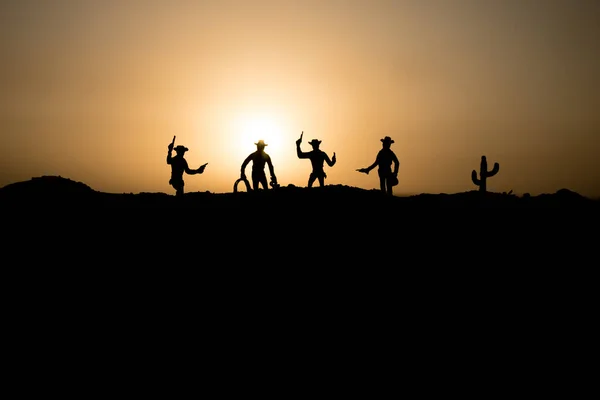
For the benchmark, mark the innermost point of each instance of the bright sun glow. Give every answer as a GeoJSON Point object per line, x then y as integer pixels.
{"type": "Point", "coordinates": [250, 128]}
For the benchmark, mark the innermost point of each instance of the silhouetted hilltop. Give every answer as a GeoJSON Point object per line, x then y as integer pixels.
{"type": "Point", "coordinates": [46, 188]}
{"type": "Point", "coordinates": [334, 231]}
{"type": "Point", "coordinates": [57, 190]}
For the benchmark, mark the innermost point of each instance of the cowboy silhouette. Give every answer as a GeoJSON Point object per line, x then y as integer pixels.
{"type": "Point", "coordinates": [385, 158]}
{"type": "Point", "coordinates": [259, 158]}
{"type": "Point", "coordinates": [317, 159]}
{"type": "Point", "coordinates": [179, 165]}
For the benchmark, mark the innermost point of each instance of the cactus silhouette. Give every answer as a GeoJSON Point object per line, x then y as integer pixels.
{"type": "Point", "coordinates": [484, 174]}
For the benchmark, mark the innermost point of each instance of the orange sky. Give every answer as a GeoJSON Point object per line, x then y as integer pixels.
{"type": "Point", "coordinates": [95, 90]}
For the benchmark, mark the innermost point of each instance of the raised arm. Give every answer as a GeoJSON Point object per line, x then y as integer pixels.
{"type": "Point", "coordinates": [299, 152]}
{"type": "Point", "coordinates": [170, 151]}
{"type": "Point", "coordinates": [330, 162]}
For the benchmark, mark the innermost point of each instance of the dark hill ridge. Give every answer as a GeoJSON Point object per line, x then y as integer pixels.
{"type": "Point", "coordinates": [57, 190]}
{"type": "Point", "coordinates": [47, 186]}
{"type": "Point", "coordinates": [332, 229]}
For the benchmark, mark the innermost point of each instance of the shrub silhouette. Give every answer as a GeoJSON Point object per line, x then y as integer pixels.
{"type": "Point", "coordinates": [484, 174]}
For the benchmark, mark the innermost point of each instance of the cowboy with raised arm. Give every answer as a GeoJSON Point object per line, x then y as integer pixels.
{"type": "Point", "coordinates": [179, 165]}
{"type": "Point", "coordinates": [317, 159]}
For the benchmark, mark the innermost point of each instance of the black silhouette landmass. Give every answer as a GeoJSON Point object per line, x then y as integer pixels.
{"type": "Point", "coordinates": [332, 245]}
{"type": "Point", "coordinates": [59, 191]}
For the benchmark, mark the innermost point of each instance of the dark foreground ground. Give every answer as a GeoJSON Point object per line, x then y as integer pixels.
{"type": "Point", "coordinates": [432, 265]}
{"type": "Point", "coordinates": [53, 191]}
{"type": "Point", "coordinates": [486, 281]}
{"type": "Point", "coordinates": [334, 224]}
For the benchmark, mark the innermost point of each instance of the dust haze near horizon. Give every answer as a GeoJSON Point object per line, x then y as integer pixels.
{"type": "Point", "coordinates": [94, 91]}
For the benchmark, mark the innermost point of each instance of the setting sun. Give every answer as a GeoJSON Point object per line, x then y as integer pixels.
{"type": "Point", "coordinates": [251, 127]}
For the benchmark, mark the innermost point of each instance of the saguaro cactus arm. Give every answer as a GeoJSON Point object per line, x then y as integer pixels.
{"type": "Point", "coordinates": [494, 170]}
{"type": "Point", "coordinates": [474, 178]}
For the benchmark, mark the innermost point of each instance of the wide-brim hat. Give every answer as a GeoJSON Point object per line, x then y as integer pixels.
{"type": "Point", "coordinates": [261, 143]}
{"type": "Point", "coordinates": [387, 139]}
{"type": "Point", "coordinates": [180, 149]}
{"type": "Point", "coordinates": [315, 141]}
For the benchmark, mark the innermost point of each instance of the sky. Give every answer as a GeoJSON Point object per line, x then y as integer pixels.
{"type": "Point", "coordinates": [94, 91]}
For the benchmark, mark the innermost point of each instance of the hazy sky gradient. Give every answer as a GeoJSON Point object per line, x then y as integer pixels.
{"type": "Point", "coordinates": [95, 90]}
